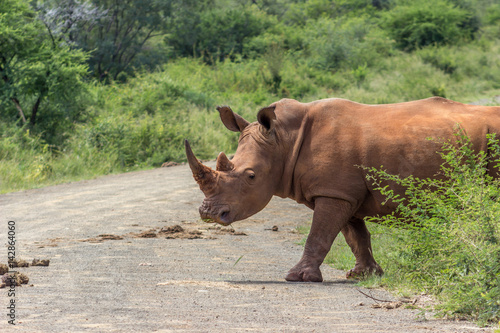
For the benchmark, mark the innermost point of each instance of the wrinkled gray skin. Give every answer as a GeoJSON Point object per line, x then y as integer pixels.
{"type": "Point", "coordinates": [311, 153]}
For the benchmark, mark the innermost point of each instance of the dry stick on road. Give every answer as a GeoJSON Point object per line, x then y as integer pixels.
{"type": "Point", "coordinates": [373, 298]}
{"type": "Point", "coordinates": [386, 301]}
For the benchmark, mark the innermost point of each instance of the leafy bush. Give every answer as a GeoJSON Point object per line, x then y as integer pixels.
{"type": "Point", "coordinates": [337, 44]}
{"type": "Point", "coordinates": [299, 13]}
{"type": "Point", "coordinates": [302, 12]}
{"type": "Point", "coordinates": [493, 14]}
{"type": "Point", "coordinates": [219, 33]}
{"type": "Point", "coordinates": [422, 23]}
{"type": "Point", "coordinates": [448, 230]}
{"type": "Point", "coordinates": [440, 58]}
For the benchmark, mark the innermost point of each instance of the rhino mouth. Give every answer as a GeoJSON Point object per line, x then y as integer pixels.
{"type": "Point", "coordinates": [215, 213]}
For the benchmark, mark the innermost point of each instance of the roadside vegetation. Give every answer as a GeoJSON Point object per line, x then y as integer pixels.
{"type": "Point", "coordinates": [93, 87]}
{"type": "Point", "coordinates": [444, 238]}
{"type": "Point", "coordinates": [448, 231]}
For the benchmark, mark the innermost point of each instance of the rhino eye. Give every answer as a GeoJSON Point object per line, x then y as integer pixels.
{"type": "Point", "coordinates": [251, 176]}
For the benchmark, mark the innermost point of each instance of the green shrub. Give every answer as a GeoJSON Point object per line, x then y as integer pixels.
{"type": "Point", "coordinates": [441, 58]}
{"type": "Point", "coordinates": [338, 44]}
{"type": "Point", "coordinates": [448, 230]}
{"type": "Point", "coordinates": [298, 14]}
{"type": "Point", "coordinates": [429, 22]}
{"type": "Point", "coordinates": [302, 12]}
{"type": "Point", "coordinates": [493, 14]}
{"type": "Point", "coordinates": [219, 33]}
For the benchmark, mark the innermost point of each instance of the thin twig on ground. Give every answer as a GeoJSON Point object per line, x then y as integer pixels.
{"type": "Point", "coordinates": [373, 298]}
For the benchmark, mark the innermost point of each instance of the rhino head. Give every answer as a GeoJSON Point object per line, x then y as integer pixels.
{"type": "Point", "coordinates": [243, 186]}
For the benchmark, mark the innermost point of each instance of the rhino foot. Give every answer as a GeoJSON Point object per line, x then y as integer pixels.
{"type": "Point", "coordinates": [305, 274]}
{"type": "Point", "coordinates": [359, 272]}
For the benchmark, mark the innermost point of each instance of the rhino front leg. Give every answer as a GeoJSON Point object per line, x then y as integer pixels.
{"type": "Point", "coordinates": [330, 217]}
{"type": "Point", "coordinates": [358, 237]}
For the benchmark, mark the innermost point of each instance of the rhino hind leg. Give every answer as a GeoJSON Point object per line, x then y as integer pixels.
{"type": "Point", "coordinates": [357, 237]}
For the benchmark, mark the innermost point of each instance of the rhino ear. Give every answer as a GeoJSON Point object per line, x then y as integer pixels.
{"type": "Point", "coordinates": [266, 117]}
{"type": "Point", "coordinates": [231, 120]}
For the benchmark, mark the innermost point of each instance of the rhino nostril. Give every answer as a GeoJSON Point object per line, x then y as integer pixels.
{"type": "Point", "coordinates": [224, 215]}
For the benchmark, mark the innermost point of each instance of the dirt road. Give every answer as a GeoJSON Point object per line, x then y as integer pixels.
{"type": "Point", "coordinates": [108, 273]}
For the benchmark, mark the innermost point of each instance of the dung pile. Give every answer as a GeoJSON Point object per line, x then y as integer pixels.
{"type": "Point", "coordinates": [178, 232]}
{"type": "Point", "coordinates": [13, 278]}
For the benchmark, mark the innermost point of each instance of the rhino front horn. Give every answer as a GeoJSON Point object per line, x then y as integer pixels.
{"type": "Point", "coordinates": [201, 173]}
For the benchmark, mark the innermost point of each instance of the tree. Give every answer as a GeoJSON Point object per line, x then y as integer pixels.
{"type": "Point", "coordinates": [16, 29]}
{"type": "Point", "coordinates": [114, 32]}
{"type": "Point", "coordinates": [66, 19]}
{"type": "Point", "coordinates": [34, 67]}
{"type": "Point", "coordinates": [121, 35]}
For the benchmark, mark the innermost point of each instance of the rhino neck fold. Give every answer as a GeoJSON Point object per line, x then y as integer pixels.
{"type": "Point", "coordinates": [288, 187]}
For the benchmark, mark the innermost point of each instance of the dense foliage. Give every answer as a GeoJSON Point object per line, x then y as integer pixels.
{"type": "Point", "coordinates": [432, 22]}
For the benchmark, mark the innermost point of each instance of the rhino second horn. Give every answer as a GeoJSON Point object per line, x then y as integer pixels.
{"type": "Point", "coordinates": [201, 173]}
{"type": "Point", "coordinates": [223, 163]}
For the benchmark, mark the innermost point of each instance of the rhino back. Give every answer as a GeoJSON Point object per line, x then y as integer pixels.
{"type": "Point", "coordinates": [341, 135]}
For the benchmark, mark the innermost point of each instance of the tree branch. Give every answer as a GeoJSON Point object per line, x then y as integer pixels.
{"type": "Point", "coordinates": [35, 110]}
{"type": "Point", "coordinates": [132, 56]}
{"type": "Point", "coordinates": [373, 298]}
{"type": "Point", "coordinates": [13, 99]}
{"type": "Point", "coordinates": [50, 33]}
{"type": "Point", "coordinates": [18, 107]}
